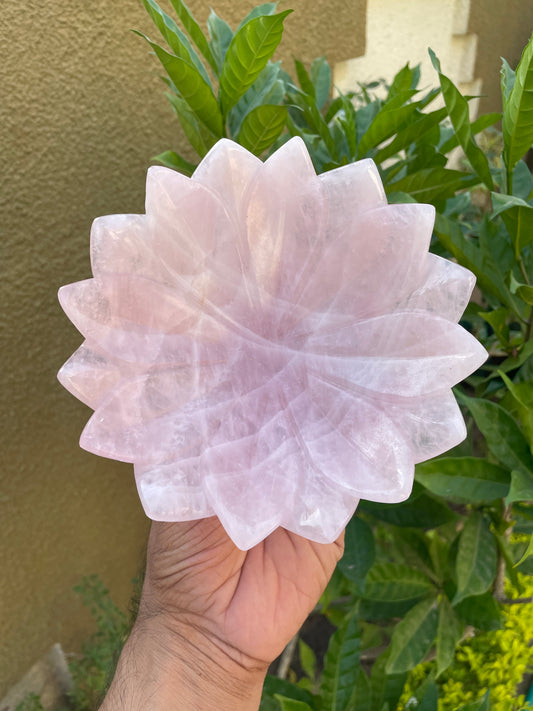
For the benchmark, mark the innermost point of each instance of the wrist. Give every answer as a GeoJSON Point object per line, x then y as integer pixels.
{"type": "Point", "coordinates": [163, 667]}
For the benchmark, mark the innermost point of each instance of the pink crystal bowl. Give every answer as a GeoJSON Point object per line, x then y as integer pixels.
{"type": "Point", "coordinates": [267, 345]}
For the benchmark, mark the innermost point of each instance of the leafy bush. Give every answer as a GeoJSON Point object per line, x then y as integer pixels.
{"type": "Point", "coordinates": [416, 577]}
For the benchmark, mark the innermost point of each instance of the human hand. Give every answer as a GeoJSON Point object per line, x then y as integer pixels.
{"type": "Point", "coordinates": [218, 615]}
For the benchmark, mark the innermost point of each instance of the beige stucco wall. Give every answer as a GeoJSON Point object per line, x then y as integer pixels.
{"type": "Point", "coordinates": [81, 112]}
{"type": "Point", "coordinates": [469, 37]}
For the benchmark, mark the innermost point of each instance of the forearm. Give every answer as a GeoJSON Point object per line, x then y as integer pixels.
{"type": "Point", "coordinates": [157, 673]}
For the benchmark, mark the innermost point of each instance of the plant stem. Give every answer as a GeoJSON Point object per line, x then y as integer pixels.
{"type": "Point", "coordinates": [286, 658]}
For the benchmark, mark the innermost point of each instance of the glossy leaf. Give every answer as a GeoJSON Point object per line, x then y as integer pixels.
{"type": "Point", "coordinates": [261, 127]}
{"type": "Point", "coordinates": [172, 160]}
{"type": "Point", "coordinates": [464, 479]}
{"type": "Point", "coordinates": [518, 217]}
{"type": "Point", "coordinates": [247, 55]}
{"type": "Point", "coordinates": [387, 122]}
{"type": "Point", "coordinates": [503, 435]}
{"type": "Point", "coordinates": [287, 704]}
{"type": "Point", "coordinates": [193, 87]}
{"type": "Point", "coordinates": [413, 637]}
{"type": "Point", "coordinates": [522, 404]}
{"type": "Point", "coordinates": [175, 38]}
{"type": "Point", "coordinates": [274, 685]}
{"type": "Point", "coordinates": [341, 666]}
{"type": "Point", "coordinates": [459, 115]}
{"type": "Point", "coordinates": [195, 33]}
{"type": "Point", "coordinates": [480, 124]}
{"type": "Point", "coordinates": [267, 8]}
{"type": "Point", "coordinates": [422, 512]}
{"type": "Point", "coordinates": [221, 35]}
{"type": "Point", "coordinates": [391, 582]}
{"type": "Point", "coordinates": [476, 558]}
{"type": "Point", "coordinates": [198, 135]}
{"type": "Point", "coordinates": [523, 291]}
{"type": "Point", "coordinates": [321, 78]}
{"type": "Point", "coordinates": [521, 487]}
{"type": "Point", "coordinates": [517, 124]}
{"type": "Point", "coordinates": [449, 632]}
{"type": "Point", "coordinates": [469, 255]}
{"type": "Point", "coordinates": [359, 551]}
{"type": "Point", "coordinates": [414, 131]}
{"type": "Point", "coordinates": [429, 184]}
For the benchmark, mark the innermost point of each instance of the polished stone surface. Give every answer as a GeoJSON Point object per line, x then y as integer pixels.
{"type": "Point", "coordinates": [269, 345]}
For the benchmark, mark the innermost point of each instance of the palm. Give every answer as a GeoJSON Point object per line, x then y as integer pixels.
{"type": "Point", "coordinates": [252, 602]}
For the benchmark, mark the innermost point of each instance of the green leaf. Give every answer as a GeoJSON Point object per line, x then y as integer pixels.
{"type": "Point", "coordinates": [503, 435]}
{"type": "Point", "coordinates": [359, 551]}
{"type": "Point", "coordinates": [507, 81]}
{"type": "Point", "coordinates": [413, 637]}
{"type": "Point", "coordinates": [522, 395]}
{"type": "Point", "coordinates": [315, 121]}
{"type": "Point", "coordinates": [172, 160]}
{"type": "Point", "coordinates": [476, 558]}
{"type": "Point", "coordinates": [517, 122]}
{"type": "Point", "coordinates": [200, 138]}
{"type": "Point", "coordinates": [480, 124]}
{"type": "Point", "coordinates": [480, 611]}
{"type": "Point", "coordinates": [274, 685]}
{"type": "Point", "coordinates": [518, 217]}
{"type": "Point", "coordinates": [429, 184]}
{"type": "Point", "coordinates": [306, 84]}
{"type": "Point", "coordinates": [522, 181]}
{"type": "Point", "coordinates": [349, 125]}
{"type": "Point", "coordinates": [341, 666]}
{"type": "Point", "coordinates": [422, 512]}
{"type": "Point", "coordinates": [469, 255]}
{"type": "Point", "coordinates": [385, 689]}
{"type": "Point", "coordinates": [457, 107]}
{"type": "Point", "coordinates": [362, 698]}
{"type": "Point", "coordinates": [449, 632]}
{"type": "Point", "coordinates": [195, 33]}
{"type": "Point", "coordinates": [307, 659]}
{"type": "Point", "coordinates": [292, 705]}
{"type": "Point", "coordinates": [528, 552]}
{"type": "Point", "coordinates": [249, 51]}
{"type": "Point", "coordinates": [175, 38]}
{"type": "Point", "coordinates": [391, 582]}
{"type": "Point", "coordinates": [464, 479]}
{"type": "Point", "coordinates": [521, 487]}
{"type": "Point", "coordinates": [193, 87]}
{"type": "Point", "coordinates": [268, 88]}
{"type": "Point", "coordinates": [387, 122]}
{"type": "Point", "coordinates": [434, 59]}
{"type": "Point", "coordinates": [414, 131]}
{"type": "Point", "coordinates": [498, 320]}
{"type": "Point", "coordinates": [262, 127]}
{"type": "Point", "coordinates": [221, 35]}
{"type": "Point", "coordinates": [321, 78]}
{"type": "Point", "coordinates": [267, 8]}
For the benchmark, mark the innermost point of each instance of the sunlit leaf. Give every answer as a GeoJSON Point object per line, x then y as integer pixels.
{"type": "Point", "coordinates": [247, 55]}
{"type": "Point", "coordinates": [413, 637]}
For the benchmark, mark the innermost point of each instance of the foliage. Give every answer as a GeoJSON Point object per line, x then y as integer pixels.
{"type": "Point", "coordinates": [495, 660]}
{"type": "Point", "coordinates": [93, 669]}
{"type": "Point", "coordinates": [415, 576]}
{"type": "Point", "coordinates": [32, 702]}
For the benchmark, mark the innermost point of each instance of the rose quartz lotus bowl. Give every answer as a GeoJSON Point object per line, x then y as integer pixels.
{"type": "Point", "coordinates": [267, 345]}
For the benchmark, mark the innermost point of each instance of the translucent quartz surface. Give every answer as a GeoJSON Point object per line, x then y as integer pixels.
{"type": "Point", "coordinates": [268, 345]}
